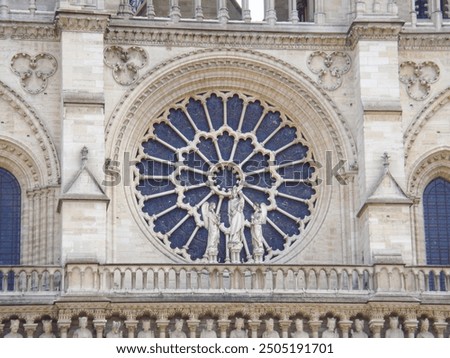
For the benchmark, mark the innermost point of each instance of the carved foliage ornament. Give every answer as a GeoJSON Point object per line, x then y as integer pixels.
{"type": "Point", "coordinates": [125, 63]}
{"type": "Point", "coordinates": [34, 71]}
{"type": "Point", "coordinates": [329, 67]}
{"type": "Point", "coordinates": [418, 77]}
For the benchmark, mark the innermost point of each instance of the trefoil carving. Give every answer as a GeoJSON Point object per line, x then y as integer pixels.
{"type": "Point", "coordinates": [125, 63]}
{"type": "Point", "coordinates": [418, 78]}
{"type": "Point", "coordinates": [329, 67]}
{"type": "Point", "coordinates": [34, 71]}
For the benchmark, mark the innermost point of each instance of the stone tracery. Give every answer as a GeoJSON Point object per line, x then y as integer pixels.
{"type": "Point", "coordinates": [238, 154]}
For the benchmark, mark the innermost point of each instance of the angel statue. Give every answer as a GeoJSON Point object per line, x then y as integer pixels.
{"type": "Point", "coordinates": [212, 223]}
{"type": "Point", "coordinates": [237, 224]}
{"type": "Point", "coordinates": [259, 218]}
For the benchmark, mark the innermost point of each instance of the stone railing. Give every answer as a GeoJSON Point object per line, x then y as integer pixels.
{"type": "Point", "coordinates": [30, 279]}
{"type": "Point", "coordinates": [256, 279]}
{"type": "Point", "coordinates": [83, 278]}
{"type": "Point", "coordinates": [26, 7]}
{"type": "Point", "coordinates": [216, 278]}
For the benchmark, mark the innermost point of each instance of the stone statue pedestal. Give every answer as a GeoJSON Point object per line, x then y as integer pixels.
{"type": "Point", "coordinates": [235, 254]}
{"type": "Point", "coordinates": [258, 256]}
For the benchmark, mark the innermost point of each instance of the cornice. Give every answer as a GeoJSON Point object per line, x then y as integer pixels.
{"type": "Point", "coordinates": [212, 38]}
{"type": "Point", "coordinates": [424, 41]}
{"type": "Point", "coordinates": [374, 31]}
{"type": "Point", "coordinates": [29, 31]}
{"type": "Point", "coordinates": [80, 22]}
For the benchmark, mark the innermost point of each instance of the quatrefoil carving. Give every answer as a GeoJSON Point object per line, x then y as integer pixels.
{"type": "Point", "coordinates": [34, 71]}
{"type": "Point", "coordinates": [418, 78]}
{"type": "Point", "coordinates": [330, 68]}
{"type": "Point", "coordinates": [125, 63]}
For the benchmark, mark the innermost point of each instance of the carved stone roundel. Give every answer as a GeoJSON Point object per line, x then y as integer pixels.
{"type": "Point", "coordinates": [210, 147]}
{"type": "Point", "coordinates": [34, 71]}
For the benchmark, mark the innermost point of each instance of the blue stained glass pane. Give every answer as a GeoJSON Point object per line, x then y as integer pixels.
{"type": "Point", "coordinates": [273, 237]}
{"type": "Point", "coordinates": [151, 167]}
{"type": "Point", "coordinates": [168, 135]}
{"type": "Point", "coordinates": [168, 221]}
{"type": "Point", "coordinates": [436, 208]}
{"type": "Point", "coordinates": [198, 246]}
{"type": "Point", "coordinates": [288, 225]}
{"type": "Point", "coordinates": [198, 115]}
{"type": "Point", "coordinates": [215, 110]}
{"type": "Point", "coordinates": [253, 113]}
{"type": "Point", "coordinates": [263, 180]}
{"type": "Point", "coordinates": [157, 205]}
{"type": "Point", "coordinates": [243, 150]}
{"type": "Point", "coordinates": [10, 205]}
{"type": "Point", "coordinates": [226, 144]}
{"type": "Point", "coordinates": [256, 196]}
{"type": "Point", "coordinates": [268, 125]}
{"type": "Point", "coordinates": [195, 196]}
{"type": "Point", "coordinates": [208, 148]}
{"type": "Point", "coordinates": [181, 122]}
{"type": "Point", "coordinates": [297, 189]}
{"type": "Point", "coordinates": [151, 186]}
{"type": "Point", "coordinates": [234, 111]}
{"type": "Point", "coordinates": [193, 160]}
{"type": "Point", "coordinates": [158, 150]}
{"type": "Point", "coordinates": [188, 177]}
{"type": "Point", "coordinates": [283, 136]}
{"type": "Point", "coordinates": [256, 162]}
{"type": "Point", "coordinates": [181, 236]}
{"type": "Point", "coordinates": [293, 207]}
{"type": "Point", "coordinates": [302, 171]}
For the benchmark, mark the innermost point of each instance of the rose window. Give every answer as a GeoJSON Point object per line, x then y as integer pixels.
{"type": "Point", "coordinates": [225, 177]}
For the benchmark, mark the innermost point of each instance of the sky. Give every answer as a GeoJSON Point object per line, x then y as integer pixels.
{"type": "Point", "coordinates": [257, 9]}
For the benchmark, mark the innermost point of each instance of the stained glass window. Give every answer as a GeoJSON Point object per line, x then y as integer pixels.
{"type": "Point", "coordinates": [10, 199]}
{"type": "Point", "coordinates": [436, 206]}
{"type": "Point", "coordinates": [225, 150]}
{"type": "Point", "coordinates": [422, 9]}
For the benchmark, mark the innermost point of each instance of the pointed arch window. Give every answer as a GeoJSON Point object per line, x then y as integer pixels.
{"type": "Point", "coordinates": [10, 213]}
{"type": "Point", "coordinates": [436, 202]}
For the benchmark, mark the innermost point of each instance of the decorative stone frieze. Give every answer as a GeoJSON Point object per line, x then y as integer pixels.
{"type": "Point", "coordinates": [418, 78]}
{"type": "Point", "coordinates": [373, 31]}
{"type": "Point", "coordinates": [34, 71]}
{"type": "Point", "coordinates": [125, 63]}
{"type": "Point", "coordinates": [29, 31]}
{"type": "Point", "coordinates": [198, 38]}
{"type": "Point", "coordinates": [373, 318]}
{"type": "Point", "coordinates": [80, 23]}
{"type": "Point", "coordinates": [329, 67]}
{"type": "Point", "coordinates": [424, 42]}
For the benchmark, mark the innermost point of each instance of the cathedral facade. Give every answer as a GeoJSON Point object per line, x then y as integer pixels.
{"type": "Point", "coordinates": [178, 169]}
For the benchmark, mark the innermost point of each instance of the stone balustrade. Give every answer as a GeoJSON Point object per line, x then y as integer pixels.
{"type": "Point", "coordinates": [219, 278]}
{"type": "Point", "coordinates": [30, 279]}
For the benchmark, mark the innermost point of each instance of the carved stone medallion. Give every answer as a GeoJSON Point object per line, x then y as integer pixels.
{"type": "Point", "coordinates": [34, 71]}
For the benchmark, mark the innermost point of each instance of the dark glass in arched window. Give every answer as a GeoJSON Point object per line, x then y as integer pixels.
{"type": "Point", "coordinates": [422, 9]}
{"type": "Point", "coordinates": [445, 8]}
{"type": "Point", "coordinates": [10, 199]}
{"type": "Point", "coordinates": [436, 208]}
